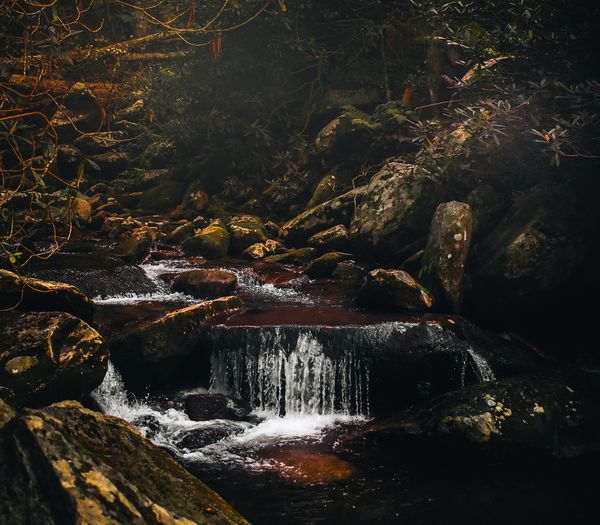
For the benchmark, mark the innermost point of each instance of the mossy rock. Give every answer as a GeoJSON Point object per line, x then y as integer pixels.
{"type": "Point", "coordinates": [297, 256]}
{"type": "Point", "coordinates": [333, 238]}
{"type": "Point", "coordinates": [245, 231]}
{"type": "Point", "coordinates": [212, 242]}
{"type": "Point", "coordinates": [325, 190]}
{"type": "Point", "coordinates": [50, 356]}
{"type": "Point", "coordinates": [163, 197]}
{"type": "Point", "coordinates": [394, 290]}
{"type": "Point", "coordinates": [325, 265]}
{"type": "Point", "coordinates": [79, 466]}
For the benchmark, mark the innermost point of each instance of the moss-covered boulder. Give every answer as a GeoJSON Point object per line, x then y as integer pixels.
{"type": "Point", "coordinates": [297, 256]}
{"type": "Point", "coordinates": [82, 210]}
{"type": "Point", "coordinates": [325, 265]}
{"type": "Point", "coordinates": [331, 213]}
{"type": "Point", "coordinates": [245, 231]}
{"type": "Point", "coordinates": [135, 247]}
{"type": "Point", "coordinates": [326, 190]}
{"type": "Point", "coordinates": [394, 290]}
{"type": "Point", "coordinates": [153, 351]}
{"type": "Point", "coordinates": [50, 356]}
{"type": "Point", "coordinates": [211, 242]}
{"type": "Point", "coordinates": [333, 238]}
{"type": "Point", "coordinates": [397, 208]}
{"type": "Point", "coordinates": [29, 294]}
{"type": "Point", "coordinates": [443, 261]}
{"type": "Point", "coordinates": [163, 197]}
{"type": "Point", "coordinates": [549, 415]}
{"type": "Point", "coordinates": [186, 230]}
{"type": "Point", "coordinates": [78, 112]}
{"type": "Point", "coordinates": [205, 283]}
{"type": "Point", "coordinates": [76, 466]}
{"type": "Point", "coordinates": [263, 249]}
{"type": "Point", "coordinates": [100, 142]}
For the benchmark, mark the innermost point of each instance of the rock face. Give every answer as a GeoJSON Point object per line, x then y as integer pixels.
{"type": "Point", "coordinates": [394, 289]}
{"type": "Point", "coordinates": [212, 242]}
{"type": "Point", "coordinates": [65, 464]}
{"type": "Point", "coordinates": [152, 352]}
{"type": "Point", "coordinates": [397, 208]}
{"type": "Point", "coordinates": [443, 261]}
{"type": "Point", "coordinates": [35, 295]}
{"type": "Point", "coordinates": [246, 231]}
{"type": "Point", "coordinates": [205, 283]}
{"type": "Point", "coordinates": [550, 415]}
{"type": "Point", "coordinates": [331, 213]}
{"type": "Point", "coordinates": [46, 357]}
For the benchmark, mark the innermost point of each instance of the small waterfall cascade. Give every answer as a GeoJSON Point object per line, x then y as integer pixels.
{"type": "Point", "coordinates": [293, 374]}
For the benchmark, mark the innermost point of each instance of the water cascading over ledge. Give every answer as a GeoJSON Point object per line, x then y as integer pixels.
{"type": "Point", "coordinates": [352, 370]}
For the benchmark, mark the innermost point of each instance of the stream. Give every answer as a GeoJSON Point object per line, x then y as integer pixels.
{"type": "Point", "coordinates": [296, 373]}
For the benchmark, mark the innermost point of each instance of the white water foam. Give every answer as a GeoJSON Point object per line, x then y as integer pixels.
{"type": "Point", "coordinates": [162, 292]}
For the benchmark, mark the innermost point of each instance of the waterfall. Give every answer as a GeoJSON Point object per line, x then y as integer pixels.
{"type": "Point", "coordinates": [482, 367]}
{"type": "Point", "coordinates": [276, 373]}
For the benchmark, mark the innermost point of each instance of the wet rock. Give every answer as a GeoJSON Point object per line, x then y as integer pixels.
{"type": "Point", "coordinates": [204, 407]}
{"type": "Point", "coordinates": [397, 208]}
{"type": "Point", "coordinates": [79, 466]}
{"type": "Point", "coordinates": [206, 283]}
{"type": "Point", "coordinates": [51, 356]}
{"type": "Point", "coordinates": [331, 239]}
{"type": "Point", "coordinates": [158, 348]}
{"type": "Point", "coordinates": [325, 190]}
{"type": "Point", "coordinates": [186, 230]}
{"type": "Point", "coordinates": [515, 418]}
{"type": "Point", "coordinates": [83, 210]}
{"type": "Point", "coordinates": [308, 467]}
{"type": "Point", "coordinates": [297, 256]}
{"type": "Point", "coordinates": [331, 213]}
{"type": "Point", "coordinates": [394, 289]}
{"type": "Point", "coordinates": [212, 242]}
{"type": "Point", "coordinates": [100, 142]}
{"type": "Point", "coordinates": [136, 246]}
{"type": "Point", "coordinates": [30, 294]}
{"type": "Point", "coordinates": [325, 265]}
{"type": "Point", "coordinates": [78, 112]}
{"type": "Point", "coordinates": [110, 164]}
{"type": "Point", "coordinates": [443, 261]}
{"type": "Point", "coordinates": [350, 273]}
{"type": "Point", "coordinates": [245, 231]}
{"type": "Point", "coordinates": [263, 249]}
{"type": "Point", "coordinates": [163, 197]}
{"type": "Point", "coordinates": [199, 438]}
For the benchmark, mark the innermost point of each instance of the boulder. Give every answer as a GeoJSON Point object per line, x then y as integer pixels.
{"type": "Point", "coordinates": [325, 190]}
{"type": "Point", "coordinates": [158, 348]}
{"type": "Point", "coordinates": [50, 356]}
{"type": "Point", "coordinates": [245, 231]}
{"type": "Point", "coordinates": [487, 206]}
{"type": "Point", "coordinates": [297, 256]}
{"type": "Point", "coordinates": [204, 407]}
{"type": "Point", "coordinates": [263, 249]}
{"type": "Point", "coordinates": [30, 294]}
{"type": "Point", "coordinates": [159, 154]}
{"type": "Point", "coordinates": [397, 208]}
{"type": "Point", "coordinates": [69, 160]}
{"type": "Point", "coordinates": [333, 238]}
{"type": "Point", "coordinates": [331, 213]}
{"type": "Point", "coordinates": [75, 465]}
{"type": "Point", "coordinates": [136, 246]}
{"type": "Point", "coordinates": [533, 253]}
{"type": "Point", "coordinates": [212, 242]}
{"type": "Point", "coordinates": [349, 273]}
{"type": "Point", "coordinates": [163, 197]}
{"type": "Point", "coordinates": [205, 283]}
{"type": "Point", "coordinates": [100, 141]}
{"type": "Point", "coordinates": [325, 265]}
{"type": "Point", "coordinates": [443, 261]}
{"type": "Point", "coordinates": [394, 289]}
{"type": "Point", "coordinates": [184, 231]}
{"type": "Point", "coordinates": [83, 211]}
{"type": "Point", "coordinates": [549, 415]}
{"type": "Point", "coordinates": [135, 112]}
{"type": "Point", "coordinates": [78, 112]}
